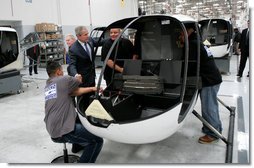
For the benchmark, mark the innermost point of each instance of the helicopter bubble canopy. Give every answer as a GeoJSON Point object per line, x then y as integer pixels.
{"type": "Point", "coordinates": [154, 93]}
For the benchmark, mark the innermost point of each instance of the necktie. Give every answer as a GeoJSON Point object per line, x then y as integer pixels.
{"type": "Point", "coordinates": [88, 51]}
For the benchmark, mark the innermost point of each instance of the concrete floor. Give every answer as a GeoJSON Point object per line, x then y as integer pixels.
{"type": "Point", "coordinates": [24, 138]}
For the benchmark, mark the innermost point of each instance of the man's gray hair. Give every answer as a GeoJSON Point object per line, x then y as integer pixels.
{"type": "Point", "coordinates": [79, 29]}
{"type": "Point", "coordinates": [71, 36]}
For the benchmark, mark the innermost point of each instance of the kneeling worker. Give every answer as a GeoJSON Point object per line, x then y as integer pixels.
{"type": "Point", "coordinates": [60, 114]}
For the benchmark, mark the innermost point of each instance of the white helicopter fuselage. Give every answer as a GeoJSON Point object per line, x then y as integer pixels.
{"type": "Point", "coordinates": [220, 50]}
{"type": "Point", "coordinates": [141, 132]}
{"type": "Point", "coordinates": [146, 131]}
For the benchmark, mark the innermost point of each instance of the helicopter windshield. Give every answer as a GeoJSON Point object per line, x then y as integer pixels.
{"type": "Point", "coordinates": [8, 47]}
{"type": "Point", "coordinates": [216, 31]}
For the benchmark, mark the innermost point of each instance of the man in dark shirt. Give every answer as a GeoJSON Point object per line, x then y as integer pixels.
{"type": "Point", "coordinates": [125, 50]}
{"type": "Point", "coordinates": [211, 80]}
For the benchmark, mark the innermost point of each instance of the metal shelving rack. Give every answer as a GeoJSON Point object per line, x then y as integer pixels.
{"type": "Point", "coordinates": [54, 47]}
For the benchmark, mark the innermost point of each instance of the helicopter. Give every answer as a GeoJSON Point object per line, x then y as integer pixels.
{"type": "Point", "coordinates": [11, 61]}
{"type": "Point", "coordinates": [12, 58]}
{"type": "Point", "coordinates": [12, 48]}
{"type": "Point", "coordinates": [9, 53]}
{"type": "Point", "coordinates": [218, 33]}
{"type": "Point", "coordinates": [150, 100]}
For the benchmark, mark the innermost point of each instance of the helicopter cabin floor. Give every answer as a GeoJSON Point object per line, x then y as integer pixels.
{"type": "Point", "coordinates": [24, 138]}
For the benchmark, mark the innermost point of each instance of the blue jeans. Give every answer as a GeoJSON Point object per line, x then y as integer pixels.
{"type": "Point", "coordinates": [92, 144]}
{"type": "Point", "coordinates": [210, 109]}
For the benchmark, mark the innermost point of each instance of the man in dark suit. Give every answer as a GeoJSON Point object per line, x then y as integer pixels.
{"type": "Point", "coordinates": [33, 54]}
{"type": "Point", "coordinates": [82, 58]}
{"type": "Point", "coordinates": [244, 47]}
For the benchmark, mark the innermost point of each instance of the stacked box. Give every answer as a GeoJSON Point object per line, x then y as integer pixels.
{"type": "Point", "coordinates": [44, 27]}
{"type": "Point", "coordinates": [54, 36]}
{"type": "Point", "coordinates": [48, 36]}
{"type": "Point", "coordinates": [51, 27]}
{"type": "Point", "coordinates": [41, 27]}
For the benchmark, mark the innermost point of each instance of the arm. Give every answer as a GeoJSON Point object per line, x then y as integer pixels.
{"type": "Point", "coordinates": [97, 42]}
{"type": "Point", "coordinates": [104, 50]}
{"type": "Point", "coordinates": [135, 57]}
{"type": "Point", "coordinates": [110, 63]}
{"type": "Point", "coordinates": [82, 90]}
{"type": "Point", "coordinates": [242, 39]}
{"type": "Point", "coordinates": [73, 61]}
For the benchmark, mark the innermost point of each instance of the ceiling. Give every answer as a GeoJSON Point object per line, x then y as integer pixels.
{"type": "Point", "coordinates": [236, 10]}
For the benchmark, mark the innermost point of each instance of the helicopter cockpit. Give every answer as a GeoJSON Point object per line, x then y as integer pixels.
{"type": "Point", "coordinates": [154, 86]}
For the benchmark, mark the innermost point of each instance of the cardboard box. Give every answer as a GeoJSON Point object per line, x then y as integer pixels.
{"type": "Point", "coordinates": [51, 27]}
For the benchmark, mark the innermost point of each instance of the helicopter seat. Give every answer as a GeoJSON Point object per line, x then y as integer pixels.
{"type": "Point", "coordinates": [170, 73]}
{"type": "Point", "coordinates": [143, 84]}
{"type": "Point", "coordinates": [135, 83]}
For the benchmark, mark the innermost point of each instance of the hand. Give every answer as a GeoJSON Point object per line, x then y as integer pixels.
{"type": "Point", "coordinates": [78, 77]}
{"type": "Point", "coordinates": [121, 70]}
{"type": "Point", "coordinates": [100, 90]}
{"type": "Point", "coordinates": [95, 89]}
{"type": "Point", "coordinates": [135, 57]}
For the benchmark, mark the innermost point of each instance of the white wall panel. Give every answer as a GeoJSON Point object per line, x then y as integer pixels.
{"type": "Point", "coordinates": [74, 12]}
{"type": "Point", "coordinates": [105, 12]}
{"type": "Point", "coordinates": [102, 12]}
{"type": "Point", "coordinates": [35, 12]}
{"type": "Point", "coordinates": [68, 13]}
{"type": "Point", "coordinates": [99, 13]}
{"type": "Point", "coordinates": [5, 10]}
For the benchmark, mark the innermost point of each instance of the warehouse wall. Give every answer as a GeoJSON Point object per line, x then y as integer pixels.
{"type": "Point", "coordinates": [102, 13]}
{"type": "Point", "coordinates": [27, 13]}
{"type": "Point", "coordinates": [67, 13]}
{"type": "Point", "coordinates": [22, 15]}
{"type": "Point", "coordinates": [99, 13]}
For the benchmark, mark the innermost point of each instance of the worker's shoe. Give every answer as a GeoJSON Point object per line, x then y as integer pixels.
{"type": "Point", "coordinates": [207, 139]}
{"type": "Point", "coordinates": [76, 148]}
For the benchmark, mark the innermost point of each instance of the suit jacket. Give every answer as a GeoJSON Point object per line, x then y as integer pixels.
{"type": "Point", "coordinates": [33, 53]}
{"type": "Point", "coordinates": [80, 63]}
{"type": "Point", "coordinates": [244, 43]}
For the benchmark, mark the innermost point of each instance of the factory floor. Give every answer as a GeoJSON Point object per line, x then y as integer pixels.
{"type": "Point", "coordinates": [24, 139]}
